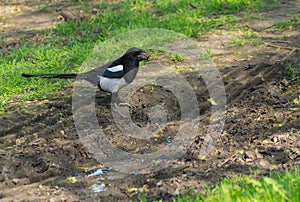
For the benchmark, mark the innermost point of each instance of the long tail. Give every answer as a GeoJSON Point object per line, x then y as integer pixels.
{"type": "Point", "coordinates": [58, 76]}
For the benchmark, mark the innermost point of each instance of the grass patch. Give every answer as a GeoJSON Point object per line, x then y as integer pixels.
{"type": "Point", "coordinates": [291, 69]}
{"type": "Point", "coordinates": [277, 186]}
{"type": "Point", "coordinates": [247, 37]}
{"type": "Point", "coordinates": [176, 58]}
{"type": "Point", "coordinates": [295, 19]}
{"type": "Point", "coordinates": [65, 48]}
{"type": "Point", "coordinates": [43, 7]}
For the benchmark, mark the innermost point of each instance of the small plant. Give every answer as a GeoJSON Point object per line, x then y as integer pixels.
{"type": "Point", "coordinates": [157, 53]}
{"type": "Point", "coordinates": [177, 58]}
{"type": "Point", "coordinates": [149, 88]}
{"type": "Point", "coordinates": [43, 7]}
{"type": "Point", "coordinates": [205, 55]}
{"type": "Point", "coordinates": [288, 24]}
{"type": "Point", "coordinates": [248, 37]}
{"type": "Point", "coordinates": [249, 34]}
{"type": "Point", "coordinates": [283, 25]}
{"type": "Point", "coordinates": [142, 197]}
{"type": "Point", "coordinates": [289, 67]}
{"type": "Point", "coordinates": [238, 53]}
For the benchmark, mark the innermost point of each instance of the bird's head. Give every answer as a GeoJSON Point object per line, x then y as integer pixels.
{"type": "Point", "coordinates": [137, 54]}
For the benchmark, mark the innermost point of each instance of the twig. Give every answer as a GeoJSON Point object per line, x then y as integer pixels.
{"type": "Point", "coordinates": [230, 159]}
{"type": "Point", "coordinates": [293, 50]}
{"type": "Point", "coordinates": [287, 56]}
{"type": "Point", "coordinates": [282, 47]}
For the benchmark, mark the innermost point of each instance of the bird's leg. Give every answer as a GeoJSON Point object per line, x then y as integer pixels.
{"type": "Point", "coordinates": [121, 102]}
{"type": "Point", "coordinates": [114, 97]}
{"type": "Point", "coordinates": [116, 103]}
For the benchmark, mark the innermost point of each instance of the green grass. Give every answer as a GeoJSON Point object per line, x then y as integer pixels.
{"type": "Point", "coordinates": [276, 187]}
{"type": "Point", "coordinates": [288, 24]}
{"type": "Point", "coordinates": [289, 67]}
{"type": "Point", "coordinates": [66, 47]}
{"type": "Point", "coordinates": [43, 7]}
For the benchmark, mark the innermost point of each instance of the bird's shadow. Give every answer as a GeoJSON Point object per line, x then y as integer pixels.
{"type": "Point", "coordinates": [103, 99]}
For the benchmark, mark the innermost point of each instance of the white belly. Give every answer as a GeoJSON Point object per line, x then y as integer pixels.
{"type": "Point", "coordinates": [111, 85]}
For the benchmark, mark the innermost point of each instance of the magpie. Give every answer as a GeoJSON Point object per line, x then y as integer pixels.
{"type": "Point", "coordinates": [110, 77]}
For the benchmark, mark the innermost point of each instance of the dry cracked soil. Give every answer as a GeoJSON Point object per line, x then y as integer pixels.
{"type": "Point", "coordinates": [43, 159]}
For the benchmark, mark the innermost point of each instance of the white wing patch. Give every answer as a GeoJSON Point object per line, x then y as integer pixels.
{"type": "Point", "coordinates": [115, 68]}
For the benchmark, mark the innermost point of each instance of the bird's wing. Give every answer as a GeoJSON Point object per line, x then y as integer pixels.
{"type": "Point", "coordinates": [114, 72]}
{"type": "Point", "coordinates": [92, 76]}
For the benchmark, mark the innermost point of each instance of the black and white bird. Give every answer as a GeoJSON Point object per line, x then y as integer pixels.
{"type": "Point", "coordinates": [110, 77]}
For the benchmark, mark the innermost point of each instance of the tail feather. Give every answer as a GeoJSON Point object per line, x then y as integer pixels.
{"type": "Point", "coordinates": [58, 76]}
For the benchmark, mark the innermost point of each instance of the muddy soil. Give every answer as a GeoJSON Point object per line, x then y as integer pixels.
{"type": "Point", "coordinates": [43, 159]}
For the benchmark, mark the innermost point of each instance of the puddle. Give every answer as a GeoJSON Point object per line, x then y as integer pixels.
{"type": "Point", "coordinates": [98, 187]}
{"type": "Point", "coordinates": [98, 178]}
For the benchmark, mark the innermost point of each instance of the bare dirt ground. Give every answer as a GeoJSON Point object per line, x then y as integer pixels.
{"type": "Point", "coordinates": [40, 149]}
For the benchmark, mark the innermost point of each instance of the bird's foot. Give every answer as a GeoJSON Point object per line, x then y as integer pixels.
{"type": "Point", "coordinates": [118, 110]}
{"type": "Point", "coordinates": [119, 102]}
{"type": "Point", "coordinates": [126, 104]}
{"type": "Point", "coordinates": [122, 102]}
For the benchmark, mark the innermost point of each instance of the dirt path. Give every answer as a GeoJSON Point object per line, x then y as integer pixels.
{"type": "Point", "coordinates": [22, 18]}
{"type": "Point", "coordinates": [40, 149]}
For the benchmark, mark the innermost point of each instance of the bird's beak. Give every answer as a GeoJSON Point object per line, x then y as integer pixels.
{"type": "Point", "coordinates": [143, 56]}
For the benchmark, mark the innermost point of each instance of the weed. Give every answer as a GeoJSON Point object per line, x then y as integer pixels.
{"type": "Point", "coordinates": [238, 53]}
{"type": "Point", "coordinates": [244, 41]}
{"type": "Point", "coordinates": [283, 25]}
{"type": "Point", "coordinates": [289, 24]}
{"type": "Point", "coordinates": [43, 7]}
{"type": "Point", "coordinates": [157, 53]}
{"type": "Point", "coordinates": [289, 67]}
{"type": "Point", "coordinates": [176, 58]}
{"type": "Point", "coordinates": [204, 56]}
{"type": "Point", "coordinates": [142, 197]}
{"type": "Point", "coordinates": [149, 88]}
